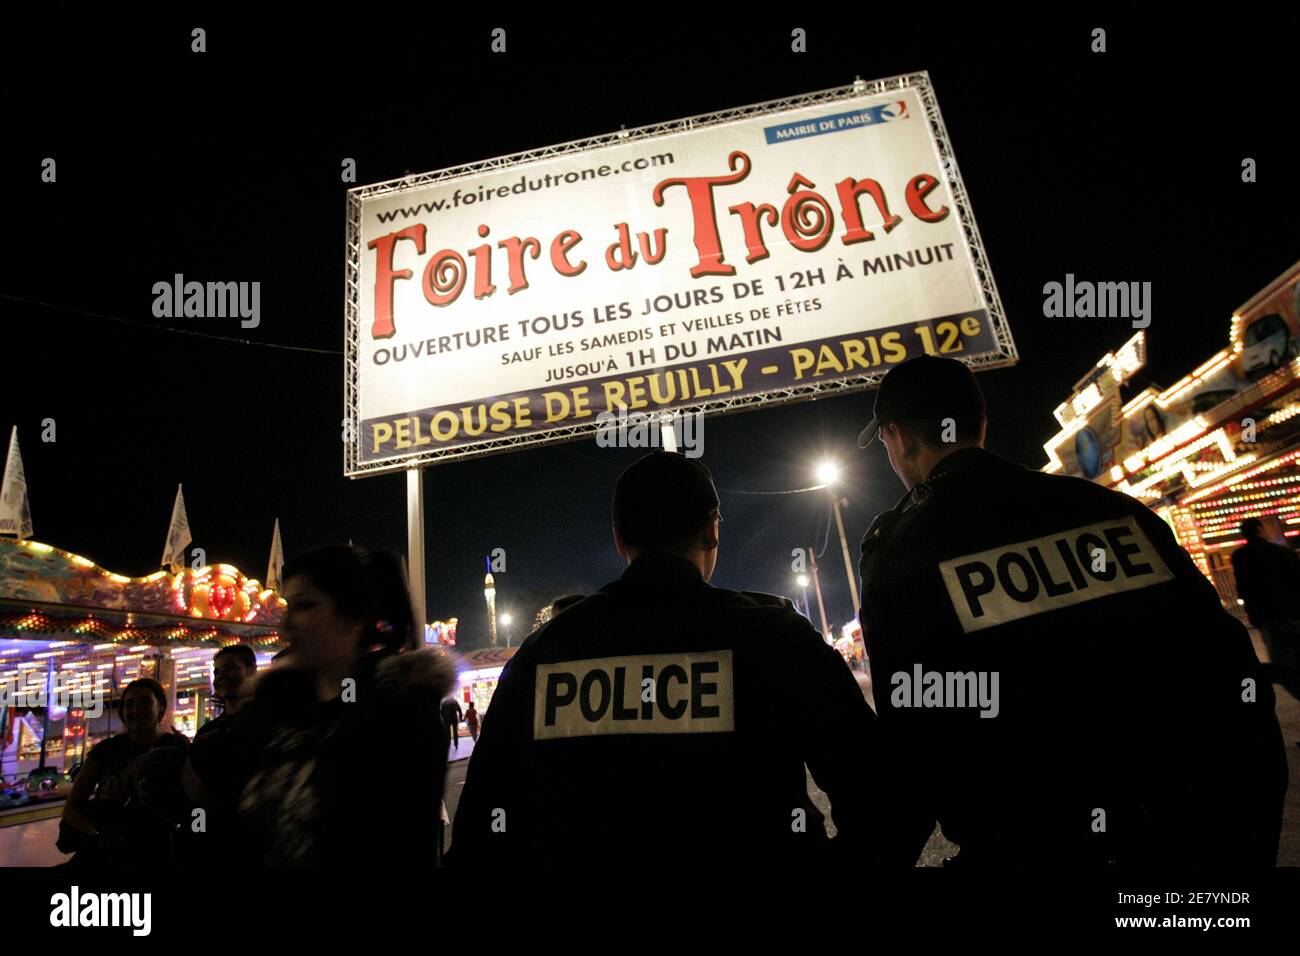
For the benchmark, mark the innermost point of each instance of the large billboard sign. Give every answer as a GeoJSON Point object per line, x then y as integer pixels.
{"type": "Point", "coordinates": [762, 255]}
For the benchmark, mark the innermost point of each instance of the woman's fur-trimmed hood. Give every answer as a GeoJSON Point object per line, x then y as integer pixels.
{"type": "Point", "coordinates": [429, 670]}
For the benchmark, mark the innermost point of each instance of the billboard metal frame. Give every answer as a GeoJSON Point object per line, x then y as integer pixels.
{"type": "Point", "coordinates": [919, 81]}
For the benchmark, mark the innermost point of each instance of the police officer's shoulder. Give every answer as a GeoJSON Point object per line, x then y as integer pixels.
{"type": "Point", "coordinates": [770, 617]}
{"type": "Point", "coordinates": [751, 600]}
{"type": "Point", "coordinates": [545, 638]}
{"type": "Point", "coordinates": [1089, 493]}
{"type": "Point", "coordinates": [897, 534]}
{"type": "Point", "coordinates": [769, 600]}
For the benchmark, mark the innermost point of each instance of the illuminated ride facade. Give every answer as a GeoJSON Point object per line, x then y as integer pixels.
{"type": "Point", "coordinates": [478, 674]}
{"type": "Point", "coordinates": [1219, 446]}
{"type": "Point", "coordinates": [73, 635]}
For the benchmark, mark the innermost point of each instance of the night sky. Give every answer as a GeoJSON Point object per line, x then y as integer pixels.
{"type": "Point", "coordinates": [1122, 166]}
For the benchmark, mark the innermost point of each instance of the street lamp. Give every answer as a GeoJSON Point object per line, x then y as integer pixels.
{"type": "Point", "coordinates": [828, 473]}
{"type": "Point", "coordinates": [802, 581]}
{"type": "Point", "coordinates": [505, 626]}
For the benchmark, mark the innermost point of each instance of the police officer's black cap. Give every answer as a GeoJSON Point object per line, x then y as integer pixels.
{"type": "Point", "coordinates": [662, 492]}
{"type": "Point", "coordinates": [925, 389]}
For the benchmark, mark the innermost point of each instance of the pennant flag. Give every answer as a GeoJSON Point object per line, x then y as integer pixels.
{"type": "Point", "coordinates": [15, 512]}
{"type": "Point", "coordinates": [276, 563]}
{"type": "Point", "coordinates": [178, 535]}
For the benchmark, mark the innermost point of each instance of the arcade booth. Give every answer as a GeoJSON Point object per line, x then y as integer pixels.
{"type": "Point", "coordinates": [851, 646]}
{"type": "Point", "coordinates": [478, 673]}
{"type": "Point", "coordinates": [1220, 445]}
{"type": "Point", "coordinates": [73, 635]}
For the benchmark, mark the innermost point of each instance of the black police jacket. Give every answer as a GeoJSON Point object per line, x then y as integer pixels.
{"type": "Point", "coordinates": [1062, 679]}
{"type": "Point", "coordinates": [663, 721]}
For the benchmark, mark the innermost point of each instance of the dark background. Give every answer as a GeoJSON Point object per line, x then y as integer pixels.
{"type": "Point", "coordinates": [1122, 166]}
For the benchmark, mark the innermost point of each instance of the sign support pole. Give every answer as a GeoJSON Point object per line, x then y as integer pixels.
{"type": "Point", "coordinates": [844, 546]}
{"type": "Point", "coordinates": [667, 435]}
{"type": "Point", "coordinates": [817, 586]}
{"type": "Point", "coordinates": [415, 548]}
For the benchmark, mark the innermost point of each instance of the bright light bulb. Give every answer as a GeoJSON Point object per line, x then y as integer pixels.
{"type": "Point", "coordinates": [828, 473]}
{"type": "Point", "coordinates": [803, 580]}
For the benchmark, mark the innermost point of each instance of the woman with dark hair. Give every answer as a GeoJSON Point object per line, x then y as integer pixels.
{"type": "Point", "coordinates": [104, 819]}
{"type": "Point", "coordinates": [351, 703]}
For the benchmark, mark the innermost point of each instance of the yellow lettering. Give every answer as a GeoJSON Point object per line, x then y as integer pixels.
{"type": "Point", "coordinates": [452, 426]}
{"type": "Point", "coordinates": [737, 369]}
{"type": "Point", "coordinates": [420, 439]}
{"type": "Point", "coordinates": [825, 357]}
{"type": "Point", "coordinates": [523, 414]}
{"type": "Point", "coordinates": [895, 351]}
{"type": "Point", "coordinates": [855, 353]}
{"type": "Point", "coordinates": [614, 392]}
{"type": "Point", "coordinates": [500, 417]}
{"type": "Point", "coordinates": [636, 392]}
{"type": "Point", "coordinates": [554, 399]}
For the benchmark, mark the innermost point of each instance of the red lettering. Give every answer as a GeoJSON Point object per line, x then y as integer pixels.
{"type": "Point", "coordinates": [483, 286]}
{"type": "Point", "coordinates": [699, 190]}
{"type": "Point", "coordinates": [560, 247]}
{"type": "Point", "coordinates": [619, 255]}
{"type": "Point", "coordinates": [749, 218]}
{"type": "Point", "coordinates": [385, 276]}
{"type": "Point", "coordinates": [917, 190]}
{"type": "Point", "coordinates": [515, 250]}
{"type": "Point", "coordinates": [848, 190]}
{"type": "Point", "coordinates": [444, 277]}
{"type": "Point", "coordinates": [806, 218]}
{"type": "Point", "coordinates": [647, 246]}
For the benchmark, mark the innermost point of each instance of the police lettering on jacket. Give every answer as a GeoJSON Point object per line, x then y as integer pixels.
{"type": "Point", "coordinates": [1015, 581]}
{"type": "Point", "coordinates": [644, 694]}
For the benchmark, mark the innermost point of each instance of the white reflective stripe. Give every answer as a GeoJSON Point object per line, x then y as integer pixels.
{"type": "Point", "coordinates": [644, 694]}
{"type": "Point", "coordinates": [1015, 581]}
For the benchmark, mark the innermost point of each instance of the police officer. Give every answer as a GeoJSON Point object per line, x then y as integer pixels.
{"type": "Point", "coordinates": [1064, 678]}
{"type": "Point", "coordinates": [647, 725]}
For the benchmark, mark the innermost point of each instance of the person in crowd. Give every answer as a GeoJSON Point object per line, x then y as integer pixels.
{"type": "Point", "coordinates": [233, 670]}
{"type": "Point", "coordinates": [647, 722]}
{"type": "Point", "coordinates": [351, 701]}
{"type": "Point", "coordinates": [104, 823]}
{"type": "Point", "coordinates": [1268, 583]}
{"type": "Point", "coordinates": [471, 722]}
{"type": "Point", "coordinates": [451, 716]}
{"type": "Point", "coordinates": [1058, 672]}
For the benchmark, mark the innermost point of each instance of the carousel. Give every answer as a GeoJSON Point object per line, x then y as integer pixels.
{"type": "Point", "coordinates": [73, 635]}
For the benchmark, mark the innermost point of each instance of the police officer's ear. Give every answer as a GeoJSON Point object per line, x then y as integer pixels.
{"type": "Point", "coordinates": [712, 530]}
{"type": "Point", "coordinates": [904, 437]}
{"type": "Point", "coordinates": [618, 543]}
